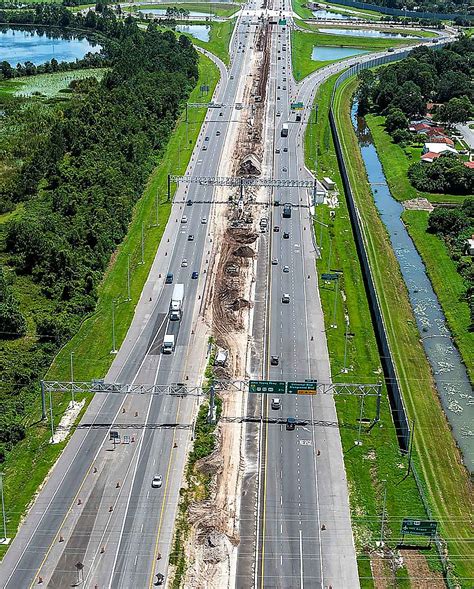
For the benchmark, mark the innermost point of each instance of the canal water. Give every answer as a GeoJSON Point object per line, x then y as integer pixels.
{"type": "Point", "coordinates": [334, 53]}
{"type": "Point", "coordinates": [37, 45]}
{"type": "Point", "coordinates": [449, 372]}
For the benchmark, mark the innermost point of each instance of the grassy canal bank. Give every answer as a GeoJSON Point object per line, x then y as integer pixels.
{"type": "Point", "coordinates": [444, 480]}
{"type": "Point", "coordinates": [377, 465]}
{"type": "Point", "coordinates": [30, 460]}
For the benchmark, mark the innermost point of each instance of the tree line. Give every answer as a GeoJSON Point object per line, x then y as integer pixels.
{"type": "Point", "coordinates": [77, 183]}
{"type": "Point", "coordinates": [401, 92]}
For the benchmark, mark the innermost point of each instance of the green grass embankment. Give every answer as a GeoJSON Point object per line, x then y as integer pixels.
{"type": "Point", "coordinates": [448, 284]}
{"type": "Point", "coordinates": [395, 162]}
{"type": "Point", "coordinates": [219, 39]}
{"type": "Point", "coordinates": [213, 8]}
{"type": "Point", "coordinates": [30, 460]}
{"type": "Point", "coordinates": [436, 456]}
{"type": "Point", "coordinates": [379, 458]}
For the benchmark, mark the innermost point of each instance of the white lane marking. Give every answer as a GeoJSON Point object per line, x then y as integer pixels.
{"type": "Point", "coordinates": [301, 560]}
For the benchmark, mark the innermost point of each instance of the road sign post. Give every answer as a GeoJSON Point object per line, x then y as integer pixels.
{"type": "Point", "coordinates": [416, 527]}
{"type": "Point", "coordinates": [277, 387]}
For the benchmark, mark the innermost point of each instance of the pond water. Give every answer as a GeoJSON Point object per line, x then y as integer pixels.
{"type": "Point", "coordinates": [333, 53]}
{"type": "Point", "coordinates": [449, 372]}
{"type": "Point", "coordinates": [37, 45]}
{"type": "Point", "coordinates": [328, 14]}
{"type": "Point", "coordinates": [201, 32]}
{"type": "Point", "coordinates": [367, 33]}
{"type": "Point", "coordinates": [162, 12]}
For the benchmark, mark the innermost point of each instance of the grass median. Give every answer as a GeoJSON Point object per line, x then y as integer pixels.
{"type": "Point", "coordinates": [30, 460]}
{"type": "Point", "coordinates": [436, 456]}
{"type": "Point", "coordinates": [378, 459]}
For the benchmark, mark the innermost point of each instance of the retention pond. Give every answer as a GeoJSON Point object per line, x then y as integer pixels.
{"type": "Point", "coordinates": [449, 372]}
{"type": "Point", "coordinates": [39, 45]}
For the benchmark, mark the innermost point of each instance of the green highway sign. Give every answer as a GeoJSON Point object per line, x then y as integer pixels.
{"type": "Point", "coordinates": [302, 388]}
{"type": "Point", "coordinates": [282, 22]}
{"type": "Point", "coordinates": [418, 527]}
{"type": "Point", "coordinates": [267, 386]}
{"type": "Point", "coordinates": [329, 276]}
{"type": "Point", "coordinates": [297, 106]}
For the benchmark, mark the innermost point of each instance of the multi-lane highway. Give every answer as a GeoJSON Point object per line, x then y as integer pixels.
{"type": "Point", "coordinates": [98, 507]}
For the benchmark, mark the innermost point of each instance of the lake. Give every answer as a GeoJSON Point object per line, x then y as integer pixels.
{"type": "Point", "coordinates": [367, 33]}
{"type": "Point", "coordinates": [162, 12]}
{"type": "Point", "coordinates": [201, 32]}
{"type": "Point", "coordinates": [334, 53]}
{"type": "Point", "coordinates": [37, 45]}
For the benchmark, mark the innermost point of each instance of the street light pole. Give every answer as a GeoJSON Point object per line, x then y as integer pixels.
{"type": "Point", "coordinates": [113, 350]}
{"type": "Point", "coordinates": [72, 376]}
{"type": "Point", "coordinates": [3, 508]}
{"type": "Point", "coordinates": [129, 298]}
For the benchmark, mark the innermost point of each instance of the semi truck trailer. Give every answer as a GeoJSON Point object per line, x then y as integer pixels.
{"type": "Point", "coordinates": [176, 305]}
{"type": "Point", "coordinates": [284, 130]}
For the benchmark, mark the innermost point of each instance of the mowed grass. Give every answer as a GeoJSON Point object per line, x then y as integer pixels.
{"type": "Point", "coordinates": [436, 456]}
{"type": "Point", "coordinates": [396, 161]}
{"type": "Point", "coordinates": [370, 43]}
{"type": "Point", "coordinates": [219, 39]}
{"type": "Point", "coordinates": [29, 462]}
{"type": "Point", "coordinates": [302, 45]}
{"type": "Point", "coordinates": [47, 85]}
{"type": "Point", "coordinates": [448, 284]}
{"type": "Point", "coordinates": [214, 8]}
{"type": "Point", "coordinates": [379, 458]}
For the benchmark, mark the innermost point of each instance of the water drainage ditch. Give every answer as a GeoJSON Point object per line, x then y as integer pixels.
{"type": "Point", "coordinates": [449, 372]}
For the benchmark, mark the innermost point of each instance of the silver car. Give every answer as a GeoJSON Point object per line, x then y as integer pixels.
{"type": "Point", "coordinates": [157, 481]}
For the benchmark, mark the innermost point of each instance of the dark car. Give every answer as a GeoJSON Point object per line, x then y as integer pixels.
{"type": "Point", "coordinates": [286, 235]}
{"type": "Point", "coordinates": [290, 423]}
{"type": "Point", "coordinates": [276, 229]}
{"type": "Point", "coordinates": [189, 202]}
{"type": "Point", "coordinates": [194, 275]}
{"type": "Point", "coordinates": [169, 278]}
{"type": "Point", "coordinates": [274, 360]}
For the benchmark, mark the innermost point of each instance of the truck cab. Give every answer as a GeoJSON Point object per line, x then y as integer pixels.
{"type": "Point", "coordinates": [168, 344]}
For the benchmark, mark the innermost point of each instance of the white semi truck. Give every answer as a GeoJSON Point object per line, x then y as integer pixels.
{"type": "Point", "coordinates": [176, 305]}
{"type": "Point", "coordinates": [284, 130]}
{"type": "Point", "coordinates": [168, 344]}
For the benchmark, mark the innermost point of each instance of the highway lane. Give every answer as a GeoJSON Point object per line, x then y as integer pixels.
{"type": "Point", "coordinates": [106, 410]}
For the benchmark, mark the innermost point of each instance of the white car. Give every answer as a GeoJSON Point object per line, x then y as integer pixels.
{"type": "Point", "coordinates": [286, 269]}
{"type": "Point", "coordinates": [157, 481]}
{"type": "Point", "coordinates": [204, 220]}
{"type": "Point", "coordinates": [184, 263]}
{"type": "Point", "coordinates": [184, 219]}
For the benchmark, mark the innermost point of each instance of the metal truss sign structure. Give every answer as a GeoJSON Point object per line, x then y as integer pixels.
{"type": "Point", "coordinates": [235, 181]}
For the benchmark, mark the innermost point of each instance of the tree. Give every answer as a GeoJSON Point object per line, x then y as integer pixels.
{"type": "Point", "coordinates": [7, 70]}
{"type": "Point", "coordinates": [395, 120]}
{"type": "Point", "coordinates": [457, 110]}
{"type": "Point", "coordinates": [408, 99]}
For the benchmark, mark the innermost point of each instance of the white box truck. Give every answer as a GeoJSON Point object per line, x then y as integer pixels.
{"type": "Point", "coordinates": [284, 130]}
{"type": "Point", "coordinates": [176, 305]}
{"type": "Point", "coordinates": [168, 344]}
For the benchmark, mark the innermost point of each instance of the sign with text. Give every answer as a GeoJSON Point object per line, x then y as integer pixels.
{"type": "Point", "coordinates": [302, 388]}
{"type": "Point", "coordinates": [297, 106]}
{"type": "Point", "coordinates": [418, 527]}
{"type": "Point", "coordinates": [267, 386]}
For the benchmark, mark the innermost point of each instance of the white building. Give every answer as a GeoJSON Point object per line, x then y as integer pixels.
{"type": "Point", "coordinates": [438, 148]}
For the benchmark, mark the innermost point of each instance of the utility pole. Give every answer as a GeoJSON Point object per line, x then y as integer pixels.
{"type": "Point", "coordinates": [114, 349]}
{"type": "Point", "coordinates": [43, 401]}
{"type": "Point", "coordinates": [382, 524]}
{"type": "Point", "coordinates": [129, 298]}
{"type": "Point", "coordinates": [3, 509]}
{"type": "Point", "coordinates": [51, 416]}
{"type": "Point", "coordinates": [72, 376]}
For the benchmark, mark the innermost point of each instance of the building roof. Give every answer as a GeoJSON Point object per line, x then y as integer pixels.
{"type": "Point", "coordinates": [429, 157]}
{"type": "Point", "coordinates": [438, 148]}
{"type": "Point", "coordinates": [420, 127]}
{"type": "Point", "coordinates": [442, 139]}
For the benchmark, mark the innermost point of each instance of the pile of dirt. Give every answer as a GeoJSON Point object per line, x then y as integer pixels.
{"type": "Point", "coordinates": [250, 166]}
{"type": "Point", "coordinates": [244, 251]}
